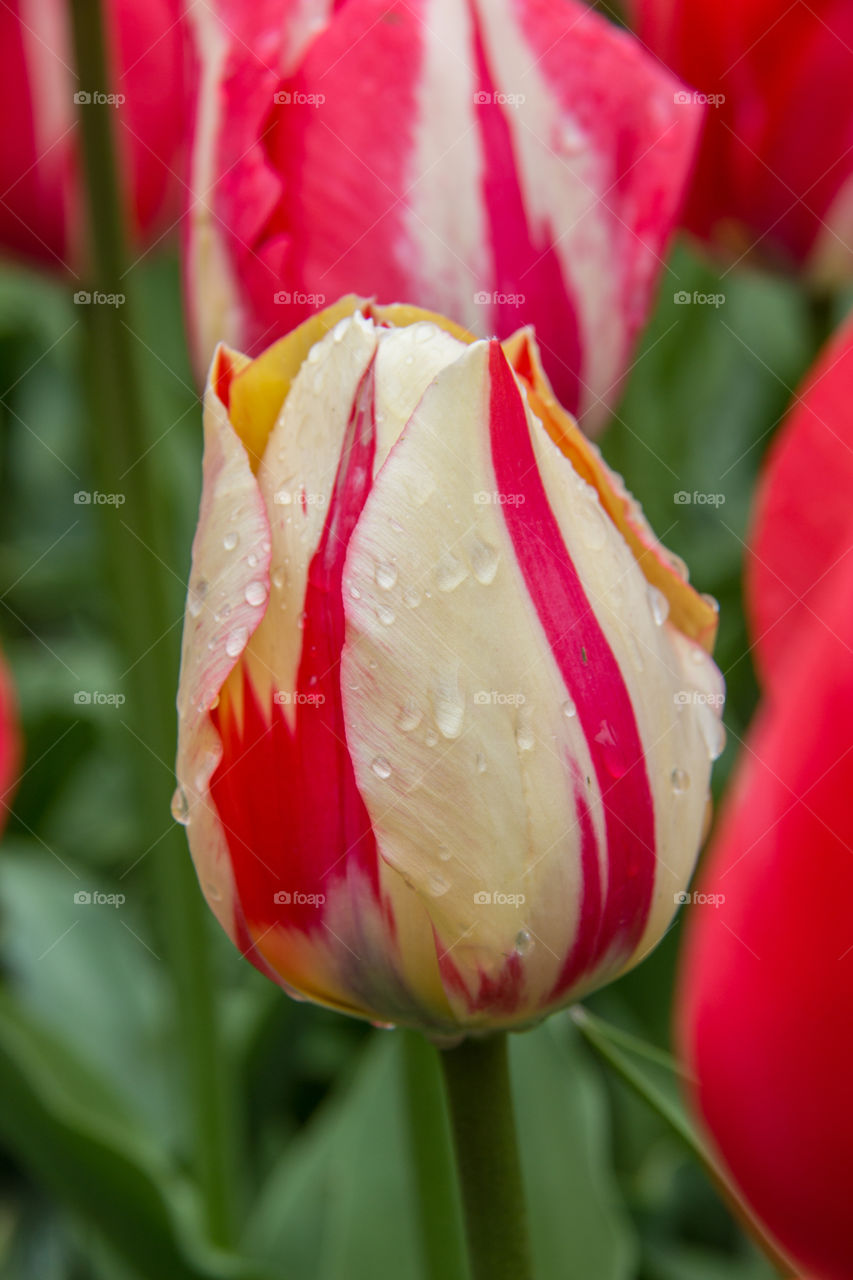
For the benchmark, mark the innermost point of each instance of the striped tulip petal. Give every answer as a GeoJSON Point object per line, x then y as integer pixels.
{"type": "Point", "coordinates": [457, 737]}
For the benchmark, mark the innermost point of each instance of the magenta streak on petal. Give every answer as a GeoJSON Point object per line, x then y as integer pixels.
{"type": "Point", "coordinates": [287, 797]}
{"type": "Point", "coordinates": [591, 675]}
{"type": "Point", "coordinates": [524, 262]}
{"type": "Point", "coordinates": [583, 949]}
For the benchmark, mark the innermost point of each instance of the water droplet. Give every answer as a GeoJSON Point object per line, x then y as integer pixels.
{"type": "Point", "coordinates": [412, 597]}
{"type": "Point", "coordinates": [409, 717]}
{"type": "Point", "coordinates": [698, 655]}
{"type": "Point", "coordinates": [569, 709]}
{"type": "Point", "coordinates": [437, 885]}
{"type": "Point", "coordinates": [301, 620]}
{"type": "Point", "coordinates": [484, 561]}
{"type": "Point", "coordinates": [385, 615]}
{"type": "Point", "coordinates": [680, 781]}
{"type": "Point", "coordinates": [381, 1026]}
{"type": "Point", "coordinates": [256, 593]}
{"type": "Point", "coordinates": [430, 738]}
{"type": "Point", "coordinates": [180, 806]}
{"type": "Point", "coordinates": [523, 941]}
{"type": "Point", "coordinates": [480, 763]}
{"type": "Point", "coordinates": [449, 572]}
{"type": "Point", "coordinates": [236, 642]}
{"type": "Point", "coordinates": [252, 560]}
{"type": "Point", "coordinates": [381, 767]}
{"type": "Point", "coordinates": [593, 527]}
{"type": "Point", "coordinates": [444, 853]}
{"type": "Point", "coordinates": [711, 601]}
{"type": "Point", "coordinates": [195, 598]}
{"type": "Point", "coordinates": [386, 574]}
{"type": "Point", "coordinates": [212, 891]}
{"type": "Point", "coordinates": [713, 733]}
{"type": "Point", "coordinates": [449, 707]}
{"type": "Point", "coordinates": [230, 540]}
{"type": "Point", "coordinates": [279, 577]}
{"type": "Point", "coordinates": [525, 739]}
{"type": "Point", "coordinates": [395, 525]}
{"type": "Point", "coordinates": [659, 605]}
{"type": "Point", "coordinates": [355, 593]}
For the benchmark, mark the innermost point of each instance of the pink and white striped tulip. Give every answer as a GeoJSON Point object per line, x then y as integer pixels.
{"type": "Point", "coordinates": [447, 710]}
{"type": "Point", "coordinates": [502, 161]}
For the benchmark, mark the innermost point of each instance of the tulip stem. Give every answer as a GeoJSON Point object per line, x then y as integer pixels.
{"type": "Point", "coordinates": [137, 555]}
{"type": "Point", "coordinates": [477, 1080]}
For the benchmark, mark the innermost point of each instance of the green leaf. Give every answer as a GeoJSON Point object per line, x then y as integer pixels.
{"type": "Point", "coordinates": [71, 1133]}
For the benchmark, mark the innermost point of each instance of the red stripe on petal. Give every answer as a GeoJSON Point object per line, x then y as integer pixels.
{"type": "Point", "coordinates": [287, 797]}
{"type": "Point", "coordinates": [496, 995]}
{"type": "Point", "coordinates": [584, 949]}
{"type": "Point", "coordinates": [589, 670]}
{"type": "Point", "coordinates": [523, 264]}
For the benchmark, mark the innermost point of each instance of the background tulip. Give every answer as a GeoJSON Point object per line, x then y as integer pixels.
{"type": "Point", "coordinates": [10, 742]}
{"type": "Point", "coordinates": [775, 169]}
{"type": "Point", "coordinates": [447, 713]}
{"type": "Point", "coordinates": [497, 162]}
{"type": "Point", "coordinates": [40, 210]}
{"type": "Point", "coordinates": [767, 981]}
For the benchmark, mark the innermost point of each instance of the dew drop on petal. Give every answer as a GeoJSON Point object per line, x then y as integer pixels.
{"type": "Point", "coordinates": [659, 606]}
{"type": "Point", "coordinates": [381, 767]}
{"type": "Point", "coordinates": [680, 781]}
{"type": "Point", "coordinates": [437, 885]}
{"type": "Point", "coordinates": [523, 941]}
{"type": "Point", "coordinates": [386, 574]}
{"type": "Point", "coordinates": [256, 593]}
{"type": "Point", "coordinates": [430, 738]}
{"type": "Point", "coordinates": [409, 717]}
{"type": "Point", "coordinates": [569, 709]}
{"type": "Point", "coordinates": [195, 598]}
{"type": "Point", "coordinates": [230, 540]}
{"type": "Point", "coordinates": [212, 891]}
{"type": "Point", "coordinates": [484, 562]}
{"type": "Point", "coordinates": [252, 560]}
{"type": "Point", "coordinates": [412, 597]}
{"type": "Point", "coordinates": [385, 615]}
{"type": "Point", "coordinates": [180, 806]}
{"type": "Point", "coordinates": [355, 593]}
{"type": "Point", "coordinates": [236, 641]}
{"type": "Point", "coordinates": [279, 577]}
{"type": "Point", "coordinates": [449, 572]}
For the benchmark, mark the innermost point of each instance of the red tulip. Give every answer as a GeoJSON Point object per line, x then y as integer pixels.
{"type": "Point", "coordinates": [41, 206]}
{"type": "Point", "coordinates": [767, 980]}
{"type": "Point", "coordinates": [775, 174]}
{"type": "Point", "coordinates": [447, 713]}
{"type": "Point", "coordinates": [499, 162]}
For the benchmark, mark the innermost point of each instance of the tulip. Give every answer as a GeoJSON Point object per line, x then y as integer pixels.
{"type": "Point", "coordinates": [775, 171]}
{"type": "Point", "coordinates": [496, 162]}
{"type": "Point", "coordinates": [41, 212]}
{"type": "Point", "coordinates": [446, 706]}
{"type": "Point", "coordinates": [767, 973]}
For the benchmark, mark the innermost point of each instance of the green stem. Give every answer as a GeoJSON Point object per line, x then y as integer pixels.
{"type": "Point", "coordinates": [432, 1160]}
{"type": "Point", "coordinates": [476, 1076]}
{"type": "Point", "coordinates": [137, 555]}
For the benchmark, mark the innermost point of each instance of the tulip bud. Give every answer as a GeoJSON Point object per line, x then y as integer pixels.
{"type": "Point", "coordinates": [447, 712]}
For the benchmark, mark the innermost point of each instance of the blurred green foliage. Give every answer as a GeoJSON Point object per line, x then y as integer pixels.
{"type": "Point", "coordinates": [94, 1178]}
